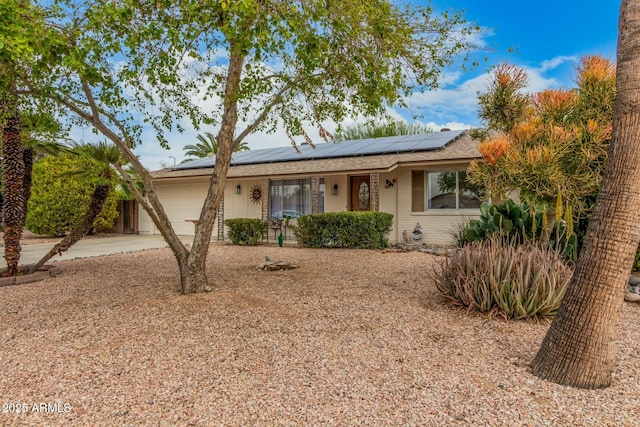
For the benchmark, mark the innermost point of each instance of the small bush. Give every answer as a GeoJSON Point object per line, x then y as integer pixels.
{"type": "Point", "coordinates": [636, 262]}
{"type": "Point", "coordinates": [58, 203]}
{"type": "Point", "coordinates": [246, 231]}
{"type": "Point", "coordinates": [366, 230]}
{"type": "Point", "coordinates": [498, 275]}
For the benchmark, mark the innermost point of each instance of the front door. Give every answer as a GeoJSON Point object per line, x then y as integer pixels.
{"type": "Point", "coordinates": [360, 193]}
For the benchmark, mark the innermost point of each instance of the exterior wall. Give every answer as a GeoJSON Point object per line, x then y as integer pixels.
{"type": "Point", "coordinates": [339, 202]}
{"type": "Point", "coordinates": [240, 205]}
{"type": "Point", "coordinates": [145, 225]}
{"type": "Point", "coordinates": [389, 201]}
{"type": "Point", "coordinates": [183, 199]}
{"type": "Point", "coordinates": [437, 225]}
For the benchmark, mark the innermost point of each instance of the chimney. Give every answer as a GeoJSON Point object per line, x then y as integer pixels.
{"type": "Point", "coordinates": [445, 130]}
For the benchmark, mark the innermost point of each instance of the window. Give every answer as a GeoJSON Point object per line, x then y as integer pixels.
{"type": "Point", "coordinates": [449, 190]}
{"type": "Point", "coordinates": [289, 197]}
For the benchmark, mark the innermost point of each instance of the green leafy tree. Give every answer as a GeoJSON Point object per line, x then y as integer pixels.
{"type": "Point", "coordinates": [381, 129]}
{"type": "Point", "coordinates": [62, 190]}
{"type": "Point", "coordinates": [283, 64]}
{"type": "Point", "coordinates": [13, 48]}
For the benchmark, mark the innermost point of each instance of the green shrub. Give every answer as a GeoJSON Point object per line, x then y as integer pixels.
{"type": "Point", "coordinates": [246, 231]}
{"type": "Point", "coordinates": [367, 230]}
{"type": "Point", "coordinates": [498, 275]}
{"type": "Point", "coordinates": [58, 203]}
{"type": "Point", "coordinates": [636, 262]}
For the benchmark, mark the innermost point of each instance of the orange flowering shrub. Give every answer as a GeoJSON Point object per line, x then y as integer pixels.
{"type": "Point", "coordinates": [555, 105]}
{"type": "Point", "coordinates": [595, 69]}
{"type": "Point", "coordinates": [553, 143]}
{"type": "Point", "coordinates": [508, 75]}
{"type": "Point", "coordinates": [528, 131]}
{"type": "Point", "coordinates": [493, 149]}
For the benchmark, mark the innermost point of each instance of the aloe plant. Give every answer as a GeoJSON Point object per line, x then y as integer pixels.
{"type": "Point", "coordinates": [502, 276]}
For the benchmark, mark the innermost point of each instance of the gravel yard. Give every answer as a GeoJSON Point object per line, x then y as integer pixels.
{"type": "Point", "coordinates": [352, 337]}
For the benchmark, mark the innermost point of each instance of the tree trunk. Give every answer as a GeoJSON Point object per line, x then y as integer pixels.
{"type": "Point", "coordinates": [193, 274]}
{"type": "Point", "coordinates": [27, 158]}
{"type": "Point", "coordinates": [98, 198]}
{"type": "Point", "coordinates": [578, 349]}
{"type": "Point", "coordinates": [12, 186]}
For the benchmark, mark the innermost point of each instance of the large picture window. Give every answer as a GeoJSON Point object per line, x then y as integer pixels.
{"type": "Point", "coordinates": [289, 197]}
{"type": "Point", "coordinates": [450, 190]}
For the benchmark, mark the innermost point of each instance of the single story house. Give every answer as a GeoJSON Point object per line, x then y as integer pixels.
{"type": "Point", "coordinates": [417, 178]}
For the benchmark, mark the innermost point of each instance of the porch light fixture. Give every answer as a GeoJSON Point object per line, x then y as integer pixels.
{"type": "Point", "coordinates": [389, 184]}
{"type": "Point", "coordinates": [334, 189]}
{"type": "Point", "coordinates": [238, 189]}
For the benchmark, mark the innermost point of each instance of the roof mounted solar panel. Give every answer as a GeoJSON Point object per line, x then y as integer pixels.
{"type": "Point", "coordinates": [361, 147]}
{"type": "Point", "coordinates": [205, 162]}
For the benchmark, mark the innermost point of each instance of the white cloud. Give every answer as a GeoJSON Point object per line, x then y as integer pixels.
{"type": "Point", "coordinates": [553, 63]}
{"type": "Point", "coordinates": [455, 105]}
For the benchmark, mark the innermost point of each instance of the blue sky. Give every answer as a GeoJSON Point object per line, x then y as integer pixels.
{"type": "Point", "coordinates": [547, 38]}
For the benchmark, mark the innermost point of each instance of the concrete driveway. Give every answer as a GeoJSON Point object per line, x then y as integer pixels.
{"type": "Point", "coordinates": [92, 247]}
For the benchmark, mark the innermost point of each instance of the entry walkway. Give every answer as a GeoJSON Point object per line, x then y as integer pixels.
{"type": "Point", "coordinates": [86, 248]}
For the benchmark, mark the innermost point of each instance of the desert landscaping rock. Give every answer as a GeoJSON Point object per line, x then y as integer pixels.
{"type": "Point", "coordinates": [351, 338]}
{"type": "Point", "coordinates": [632, 297]}
{"type": "Point", "coordinates": [276, 266]}
{"type": "Point", "coordinates": [634, 280]}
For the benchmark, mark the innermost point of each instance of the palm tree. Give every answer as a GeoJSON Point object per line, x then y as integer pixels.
{"type": "Point", "coordinates": [578, 349]}
{"type": "Point", "coordinates": [13, 206]}
{"type": "Point", "coordinates": [40, 135]}
{"type": "Point", "coordinates": [100, 172]}
{"type": "Point", "coordinates": [208, 146]}
{"type": "Point", "coordinates": [381, 129]}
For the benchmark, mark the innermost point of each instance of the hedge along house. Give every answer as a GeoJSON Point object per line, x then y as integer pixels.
{"type": "Point", "coordinates": [417, 178]}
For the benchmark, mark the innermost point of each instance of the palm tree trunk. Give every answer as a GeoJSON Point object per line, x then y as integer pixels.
{"type": "Point", "coordinates": [12, 186]}
{"type": "Point", "coordinates": [98, 198]}
{"type": "Point", "coordinates": [27, 158]}
{"type": "Point", "coordinates": [578, 349]}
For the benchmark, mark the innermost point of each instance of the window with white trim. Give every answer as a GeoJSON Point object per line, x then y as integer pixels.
{"type": "Point", "coordinates": [444, 190]}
